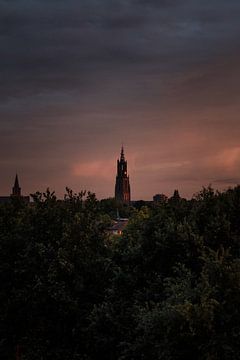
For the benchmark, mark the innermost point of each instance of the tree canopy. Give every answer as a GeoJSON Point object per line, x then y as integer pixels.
{"type": "Point", "coordinates": [168, 288]}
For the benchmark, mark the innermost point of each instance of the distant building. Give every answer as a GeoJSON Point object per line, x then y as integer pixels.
{"type": "Point", "coordinates": [118, 227]}
{"type": "Point", "coordinates": [122, 187]}
{"type": "Point", "coordinates": [16, 193]}
{"type": "Point", "coordinates": [176, 197]}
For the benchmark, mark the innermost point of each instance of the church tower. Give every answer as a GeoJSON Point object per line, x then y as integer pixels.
{"type": "Point", "coordinates": [122, 187]}
{"type": "Point", "coordinates": [16, 190]}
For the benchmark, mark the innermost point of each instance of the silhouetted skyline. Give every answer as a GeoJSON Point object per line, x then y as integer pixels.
{"type": "Point", "coordinates": [80, 77]}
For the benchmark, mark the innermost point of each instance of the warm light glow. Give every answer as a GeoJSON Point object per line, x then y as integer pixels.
{"type": "Point", "coordinates": [96, 169]}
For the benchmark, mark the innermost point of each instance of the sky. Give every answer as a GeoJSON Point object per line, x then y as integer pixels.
{"type": "Point", "coordinates": [80, 77]}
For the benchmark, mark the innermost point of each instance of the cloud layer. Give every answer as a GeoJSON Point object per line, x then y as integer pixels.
{"type": "Point", "coordinates": [78, 78]}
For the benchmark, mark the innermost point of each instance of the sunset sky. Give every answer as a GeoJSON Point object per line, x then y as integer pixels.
{"type": "Point", "coordinates": [78, 78]}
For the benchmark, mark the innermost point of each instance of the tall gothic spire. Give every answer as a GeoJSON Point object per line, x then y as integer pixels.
{"type": "Point", "coordinates": [16, 190]}
{"type": "Point", "coordinates": [122, 187]}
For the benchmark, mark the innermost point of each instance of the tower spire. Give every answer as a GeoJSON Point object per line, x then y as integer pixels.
{"type": "Point", "coordinates": [16, 183]}
{"type": "Point", "coordinates": [122, 186]}
{"type": "Point", "coordinates": [122, 153]}
{"type": "Point", "coordinates": [16, 190]}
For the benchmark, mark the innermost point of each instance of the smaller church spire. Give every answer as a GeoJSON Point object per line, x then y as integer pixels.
{"type": "Point", "coordinates": [16, 190]}
{"type": "Point", "coordinates": [16, 183]}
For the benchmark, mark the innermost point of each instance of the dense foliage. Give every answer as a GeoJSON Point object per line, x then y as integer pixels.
{"type": "Point", "coordinates": [168, 289]}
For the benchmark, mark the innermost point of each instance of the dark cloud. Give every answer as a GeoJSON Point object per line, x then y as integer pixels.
{"type": "Point", "coordinates": [76, 77]}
